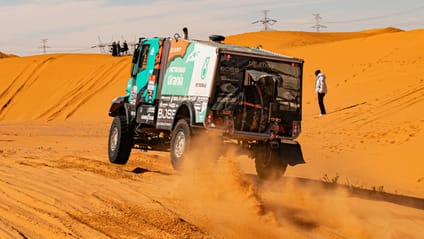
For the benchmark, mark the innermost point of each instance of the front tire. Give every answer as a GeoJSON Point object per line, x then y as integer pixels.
{"type": "Point", "coordinates": [269, 165]}
{"type": "Point", "coordinates": [180, 141]}
{"type": "Point", "coordinates": [120, 140]}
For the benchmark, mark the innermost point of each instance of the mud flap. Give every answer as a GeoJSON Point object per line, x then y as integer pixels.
{"type": "Point", "coordinates": [291, 153]}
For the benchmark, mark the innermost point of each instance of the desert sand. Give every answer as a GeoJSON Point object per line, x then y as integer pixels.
{"type": "Point", "coordinates": [363, 177]}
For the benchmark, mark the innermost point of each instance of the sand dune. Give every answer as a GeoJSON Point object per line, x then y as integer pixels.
{"type": "Point", "coordinates": [56, 181]}
{"type": "Point", "coordinates": [61, 87]}
{"type": "Point", "coordinates": [381, 78]}
{"type": "Point", "coordinates": [4, 55]}
{"type": "Point", "coordinates": [375, 101]}
{"type": "Point", "coordinates": [279, 40]}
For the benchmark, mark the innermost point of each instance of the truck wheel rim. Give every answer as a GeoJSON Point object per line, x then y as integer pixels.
{"type": "Point", "coordinates": [114, 139]}
{"type": "Point", "coordinates": [179, 144]}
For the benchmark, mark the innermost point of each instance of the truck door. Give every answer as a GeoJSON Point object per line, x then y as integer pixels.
{"type": "Point", "coordinates": [145, 71]}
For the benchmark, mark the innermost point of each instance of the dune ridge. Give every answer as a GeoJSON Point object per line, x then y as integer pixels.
{"type": "Point", "coordinates": [280, 40]}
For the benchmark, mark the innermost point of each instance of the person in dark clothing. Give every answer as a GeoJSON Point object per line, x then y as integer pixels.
{"type": "Point", "coordinates": [125, 49]}
{"type": "Point", "coordinates": [118, 47]}
{"type": "Point", "coordinates": [114, 49]}
{"type": "Point", "coordinates": [185, 31]}
{"type": "Point", "coordinates": [321, 89]}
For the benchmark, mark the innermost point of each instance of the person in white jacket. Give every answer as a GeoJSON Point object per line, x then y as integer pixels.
{"type": "Point", "coordinates": [321, 89]}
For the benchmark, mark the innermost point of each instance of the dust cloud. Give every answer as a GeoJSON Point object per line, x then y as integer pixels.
{"type": "Point", "coordinates": [226, 201]}
{"type": "Point", "coordinates": [215, 187]}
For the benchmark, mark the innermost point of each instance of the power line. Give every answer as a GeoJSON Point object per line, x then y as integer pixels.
{"type": "Point", "coordinates": [319, 26]}
{"type": "Point", "coordinates": [380, 16]}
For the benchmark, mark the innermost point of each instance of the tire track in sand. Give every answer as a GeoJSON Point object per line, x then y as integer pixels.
{"type": "Point", "coordinates": [171, 223]}
{"type": "Point", "coordinates": [7, 90]}
{"type": "Point", "coordinates": [35, 213]}
{"type": "Point", "coordinates": [83, 91]}
{"type": "Point", "coordinates": [20, 84]}
{"type": "Point", "coordinates": [54, 110]}
{"type": "Point", "coordinates": [101, 83]}
{"type": "Point", "coordinates": [83, 201]}
{"type": "Point", "coordinates": [8, 231]}
{"type": "Point", "coordinates": [29, 215]}
{"type": "Point", "coordinates": [365, 114]}
{"type": "Point", "coordinates": [393, 104]}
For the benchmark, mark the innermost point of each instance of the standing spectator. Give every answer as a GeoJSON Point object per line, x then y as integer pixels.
{"type": "Point", "coordinates": [118, 47]}
{"type": "Point", "coordinates": [125, 49]}
{"type": "Point", "coordinates": [321, 89]}
{"type": "Point", "coordinates": [185, 31]}
{"type": "Point", "coordinates": [114, 49]}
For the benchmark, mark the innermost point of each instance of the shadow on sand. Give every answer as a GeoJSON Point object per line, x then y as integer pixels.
{"type": "Point", "coordinates": [139, 170]}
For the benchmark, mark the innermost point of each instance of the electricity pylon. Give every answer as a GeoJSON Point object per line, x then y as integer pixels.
{"type": "Point", "coordinates": [266, 21]}
{"type": "Point", "coordinates": [44, 46]}
{"type": "Point", "coordinates": [318, 25]}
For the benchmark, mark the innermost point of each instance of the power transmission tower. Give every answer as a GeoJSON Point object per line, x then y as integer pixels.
{"type": "Point", "coordinates": [318, 25]}
{"type": "Point", "coordinates": [266, 22]}
{"type": "Point", "coordinates": [44, 46]}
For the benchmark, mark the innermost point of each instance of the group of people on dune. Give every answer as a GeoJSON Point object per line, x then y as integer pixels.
{"type": "Point", "coordinates": [117, 50]}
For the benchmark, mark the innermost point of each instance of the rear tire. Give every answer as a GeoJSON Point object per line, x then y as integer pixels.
{"type": "Point", "coordinates": [268, 164]}
{"type": "Point", "coordinates": [180, 141]}
{"type": "Point", "coordinates": [120, 140]}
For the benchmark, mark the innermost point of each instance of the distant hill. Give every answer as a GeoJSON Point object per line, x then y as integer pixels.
{"type": "Point", "coordinates": [383, 30]}
{"type": "Point", "coordinates": [4, 55]}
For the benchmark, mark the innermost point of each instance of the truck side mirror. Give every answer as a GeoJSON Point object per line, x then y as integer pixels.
{"type": "Point", "coordinates": [136, 55]}
{"type": "Point", "coordinates": [135, 58]}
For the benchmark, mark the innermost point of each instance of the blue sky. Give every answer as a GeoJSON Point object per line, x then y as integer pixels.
{"type": "Point", "coordinates": [76, 25]}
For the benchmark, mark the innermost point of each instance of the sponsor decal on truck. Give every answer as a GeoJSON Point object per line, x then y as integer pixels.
{"type": "Point", "coordinates": [190, 70]}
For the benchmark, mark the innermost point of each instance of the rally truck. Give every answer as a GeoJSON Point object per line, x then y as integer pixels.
{"type": "Point", "coordinates": [180, 88]}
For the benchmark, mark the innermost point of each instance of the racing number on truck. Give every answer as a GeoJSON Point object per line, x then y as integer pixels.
{"type": "Point", "coordinates": [166, 113]}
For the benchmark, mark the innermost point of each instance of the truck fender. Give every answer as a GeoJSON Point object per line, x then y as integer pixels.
{"type": "Point", "coordinates": [118, 106]}
{"type": "Point", "coordinates": [186, 109]}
